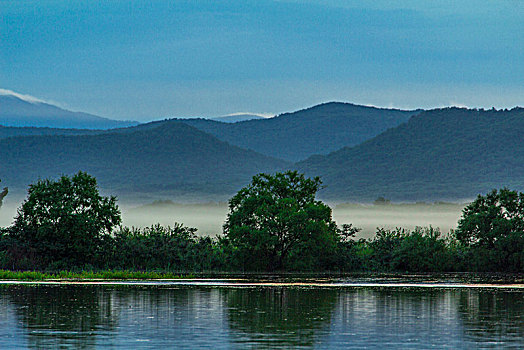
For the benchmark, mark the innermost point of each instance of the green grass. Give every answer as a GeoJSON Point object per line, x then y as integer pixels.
{"type": "Point", "coordinates": [88, 275]}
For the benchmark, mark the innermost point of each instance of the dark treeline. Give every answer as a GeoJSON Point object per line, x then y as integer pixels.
{"type": "Point", "coordinates": [274, 224]}
{"type": "Point", "coordinates": [178, 248]}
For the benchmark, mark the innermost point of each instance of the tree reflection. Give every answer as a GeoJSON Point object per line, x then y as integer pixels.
{"type": "Point", "coordinates": [87, 317]}
{"type": "Point", "coordinates": [495, 317]}
{"type": "Point", "coordinates": [274, 317]}
{"type": "Point", "coordinates": [63, 316]}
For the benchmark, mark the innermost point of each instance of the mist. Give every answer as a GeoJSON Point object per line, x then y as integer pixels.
{"type": "Point", "coordinates": [8, 212]}
{"type": "Point", "coordinates": [368, 217]}
{"type": "Point", "coordinates": [208, 218]}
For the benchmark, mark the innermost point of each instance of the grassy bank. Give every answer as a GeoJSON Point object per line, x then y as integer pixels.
{"type": "Point", "coordinates": [89, 275]}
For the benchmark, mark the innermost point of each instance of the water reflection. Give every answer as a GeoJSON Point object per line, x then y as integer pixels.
{"type": "Point", "coordinates": [62, 316]}
{"type": "Point", "coordinates": [87, 317]}
{"type": "Point", "coordinates": [396, 319]}
{"type": "Point", "coordinates": [273, 317]}
{"type": "Point", "coordinates": [495, 318]}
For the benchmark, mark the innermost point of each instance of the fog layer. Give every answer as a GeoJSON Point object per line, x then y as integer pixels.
{"type": "Point", "coordinates": [209, 218]}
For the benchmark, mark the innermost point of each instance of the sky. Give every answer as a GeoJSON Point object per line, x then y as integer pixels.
{"type": "Point", "coordinates": [146, 60]}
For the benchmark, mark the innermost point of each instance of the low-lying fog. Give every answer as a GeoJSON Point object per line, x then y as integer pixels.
{"type": "Point", "coordinates": [208, 218]}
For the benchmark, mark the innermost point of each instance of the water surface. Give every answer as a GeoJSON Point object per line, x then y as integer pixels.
{"type": "Point", "coordinates": [277, 316]}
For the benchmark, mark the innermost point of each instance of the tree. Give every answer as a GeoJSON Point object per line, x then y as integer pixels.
{"type": "Point", "coordinates": [491, 218]}
{"type": "Point", "coordinates": [381, 201]}
{"type": "Point", "coordinates": [276, 223]}
{"type": "Point", "coordinates": [64, 220]}
{"type": "Point", "coordinates": [3, 194]}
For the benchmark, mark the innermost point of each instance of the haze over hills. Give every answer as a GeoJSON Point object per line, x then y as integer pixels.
{"type": "Point", "coordinates": [317, 130]}
{"type": "Point", "coordinates": [290, 136]}
{"type": "Point", "coordinates": [442, 154]}
{"type": "Point", "coordinates": [449, 153]}
{"type": "Point", "coordinates": [171, 159]}
{"type": "Point", "coordinates": [25, 111]}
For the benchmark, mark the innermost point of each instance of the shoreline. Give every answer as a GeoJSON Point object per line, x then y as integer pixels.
{"type": "Point", "coordinates": [227, 283]}
{"type": "Point", "coordinates": [398, 280]}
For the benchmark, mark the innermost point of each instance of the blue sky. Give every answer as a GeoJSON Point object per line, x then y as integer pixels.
{"type": "Point", "coordinates": [147, 60]}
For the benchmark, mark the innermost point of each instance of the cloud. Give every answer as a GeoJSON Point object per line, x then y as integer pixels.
{"type": "Point", "coordinates": [27, 98]}
{"type": "Point", "coordinates": [263, 115]}
{"type": "Point", "coordinates": [459, 105]}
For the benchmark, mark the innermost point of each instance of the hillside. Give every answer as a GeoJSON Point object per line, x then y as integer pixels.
{"type": "Point", "coordinates": [10, 131]}
{"type": "Point", "coordinates": [446, 153]}
{"type": "Point", "coordinates": [291, 136]}
{"type": "Point", "coordinates": [172, 159]}
{"type": "Point", "coordinates": [20, 112]}
{"type": "Point", "coordinates": [316, 130]}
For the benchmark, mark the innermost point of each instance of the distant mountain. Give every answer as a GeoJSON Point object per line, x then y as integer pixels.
{"type": "Point", "coordinates": [171, 159]}
{"type": "Point", "coordinates": [23, 111]}
{"type": "Point", "coordinates": [291, 136]}
{"type": "Point", "coordinates": [449, 153]}
{"type": "Point", "coordinates": [234, 118]}
{"type": "Point", "coordinates": [316, 130]}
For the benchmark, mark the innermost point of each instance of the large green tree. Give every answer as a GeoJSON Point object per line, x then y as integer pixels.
{"type": "Point", "coordinates": [491, 217]}
{"type": "Point", "coordinates": [492, 228]}
{"type": "Point", "coordinates": [64, 220]}
{"type": "Point", "coordinates": [275, 223]}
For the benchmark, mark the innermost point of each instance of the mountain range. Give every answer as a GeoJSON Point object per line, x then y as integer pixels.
{"type": "Point", "coordinates": [450, 153]}
{"type": "Point", "coordinates": [360, 152]}
{"type": "Point", "coordinates": [174, 159]}
{"type": "Point", "coordinates": [317, 130]}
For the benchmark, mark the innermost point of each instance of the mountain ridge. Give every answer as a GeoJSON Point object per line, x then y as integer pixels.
{"type": "Point", "coordinates": [315, 130]}
{"type": "Point", "coordinates": [447, 153]}
{"type": "Point", "coordinates": [19, 112]}
{"type": "Point", "coordinates": [176, 159]}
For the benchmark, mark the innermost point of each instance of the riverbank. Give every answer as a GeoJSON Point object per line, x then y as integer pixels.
{"type": "Point", "coordinates": [283, 279]}
{"type": "Point", "coordinates": [89, 275]}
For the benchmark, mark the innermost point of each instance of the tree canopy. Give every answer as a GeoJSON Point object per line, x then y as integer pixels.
{"type": "Point", "coordinates": [491, 217]}
{"type": "Point", "coordinates": [276, 223]}
{"type": "Point", "coordinates": [492, 230]}
{"type": "Point", "coordinates": [64, 220]}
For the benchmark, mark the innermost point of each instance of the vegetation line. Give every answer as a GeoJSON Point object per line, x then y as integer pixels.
{"type": "Point", "coordinates": [89, 275]}
{"type": "Point", "coordinates": [274, 224]}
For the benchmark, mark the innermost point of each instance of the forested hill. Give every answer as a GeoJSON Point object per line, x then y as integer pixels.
{"type": "Point", "coordinates": [291, 136]}
{"type": "Point", "coordinates": [439, 154]}
{"type": "Point", "coordinates": [171, 159]}
{"type": "Point", "coordinates": [10, 131]}
{"type": "Point", "coordinates": [317, 130]}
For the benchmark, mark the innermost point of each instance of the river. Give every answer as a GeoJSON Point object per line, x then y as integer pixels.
{"type": "Point", "coordinates": [244, 314]}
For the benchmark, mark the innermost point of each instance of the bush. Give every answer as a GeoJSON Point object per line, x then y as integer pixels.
{"type": "Point", "coordinates": [383, 247]}
{"type": "Point", "coordinates": [158, 247]}
{"type": "Point", "coordinates": [422, 250]}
